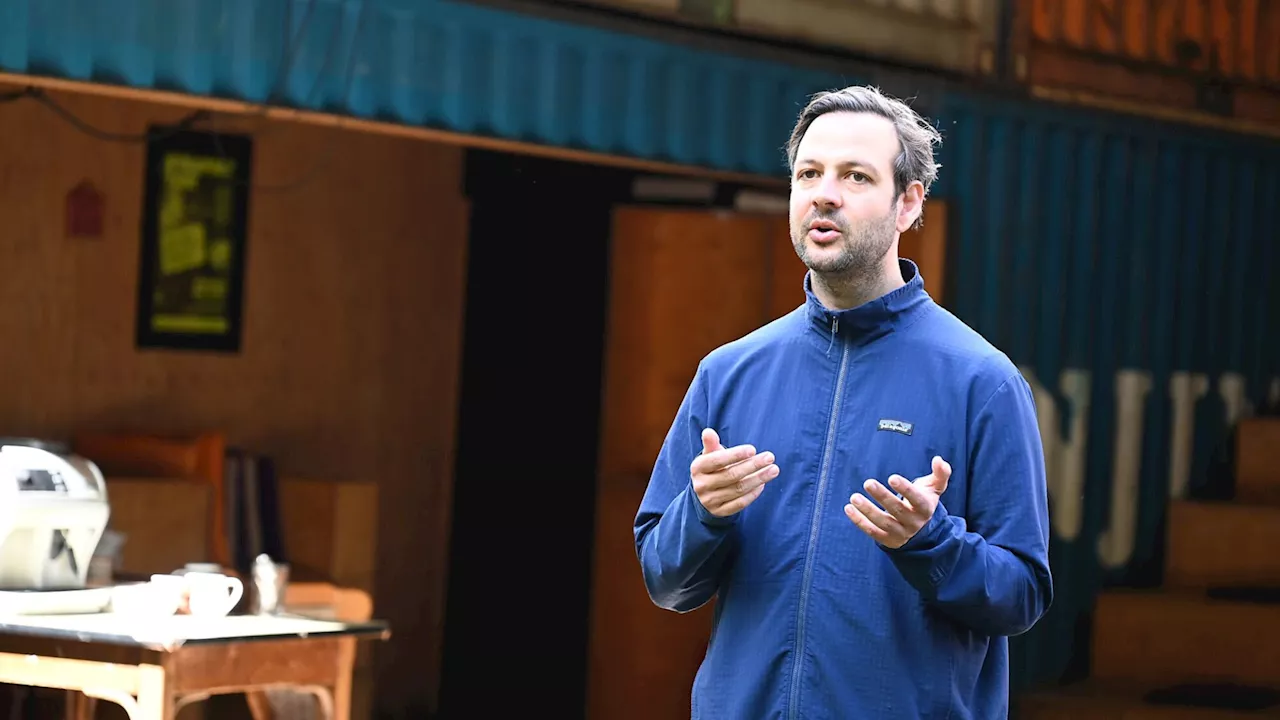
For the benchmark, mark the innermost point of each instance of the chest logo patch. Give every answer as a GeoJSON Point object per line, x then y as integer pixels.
{"type": "Point", "coordinates": [897, 426]}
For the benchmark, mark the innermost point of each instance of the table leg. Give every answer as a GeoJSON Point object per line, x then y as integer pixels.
{"type": "Point", "coordinates": [103, 681]}
{"type": "Point", "coordinates": [342, 687]}
{"type": "Point", "coordinates": [80, 706]}
{"type": "Point", "coordinates": [155, 702]}
{"type": "Point", "coordinates": [259, 705]}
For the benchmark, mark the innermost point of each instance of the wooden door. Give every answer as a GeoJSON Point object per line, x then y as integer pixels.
{"type": "Point", "coordinates": [683, 282]}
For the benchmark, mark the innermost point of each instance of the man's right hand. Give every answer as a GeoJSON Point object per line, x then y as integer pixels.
{"type": "Point", "coordinates": [726, 480]}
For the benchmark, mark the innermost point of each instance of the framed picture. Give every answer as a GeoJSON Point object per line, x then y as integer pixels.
{"type": "Point", "coordinates": [194, 238]}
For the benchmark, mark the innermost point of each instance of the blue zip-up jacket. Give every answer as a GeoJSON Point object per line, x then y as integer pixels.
{"type": "Point", "coordinates": [813, 618]}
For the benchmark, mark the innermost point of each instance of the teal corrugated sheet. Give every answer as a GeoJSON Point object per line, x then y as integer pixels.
{"type": "Point", "coordinates": [1109, 255]}
{"type": "Point", "coordinates": [454, 66]}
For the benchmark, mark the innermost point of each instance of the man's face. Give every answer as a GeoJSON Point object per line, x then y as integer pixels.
{"type": "Point", "coordinates": [845, 213]}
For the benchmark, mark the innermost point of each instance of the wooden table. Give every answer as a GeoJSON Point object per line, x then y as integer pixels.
{"type": "Point", "coordinates": [154, 667]}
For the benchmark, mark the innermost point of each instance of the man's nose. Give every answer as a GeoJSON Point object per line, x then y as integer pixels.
{"type": "Point", "coordinates": [827, 194]}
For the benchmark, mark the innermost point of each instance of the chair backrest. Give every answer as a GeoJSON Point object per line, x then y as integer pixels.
{"type": "Point", "coordinates": [201, 457]}
{"type": "Point", "coordinates": [325, 600]}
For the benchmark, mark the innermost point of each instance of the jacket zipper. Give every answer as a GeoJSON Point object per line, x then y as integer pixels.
{"type": "Point", "coordinates": [815, 524]}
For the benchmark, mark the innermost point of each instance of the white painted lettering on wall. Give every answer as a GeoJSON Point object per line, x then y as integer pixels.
{"type": "Point", "coordinates": [1186, 390]}
{"type": "Point", "coordinates": [1115, 544]}
{"type": "Point", "coordinates": [1066, 452]}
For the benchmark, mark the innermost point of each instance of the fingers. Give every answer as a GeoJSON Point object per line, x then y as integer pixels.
{"type": "Point", "coordinates": [862, 518]}
{"type": "Point", "coordinates": [742, 493]}
{"type": "Point", "coordinates": [710, 441]}
{"type": "Point", "coordinates": [878, 517]}
{"type": "Point", "coordinates": [739, 504]}
{"type": "Point", "coordinates": [894, 505]}
{"type": "Point", "coordinates": [726, 480]}
{"type": "Point", "coordinates": [719, 459]}
{"type": "Point", "coordinates": [727, 490]}
{"type": "Point", "coordinates": [898, 518]}
{"type": "Point", "coordinates": [941, 474]}
{"type": "Point", "coordinates": [738, 478]}
{"type": "Point", "coordinates": [912, 493]}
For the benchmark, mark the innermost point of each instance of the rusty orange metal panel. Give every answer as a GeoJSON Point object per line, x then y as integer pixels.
{"type": "Point", "coordinates": [1219, 56]}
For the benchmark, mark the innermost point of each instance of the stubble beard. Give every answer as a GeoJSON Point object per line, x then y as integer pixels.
{"type": "Point", "coordinates": [858, 266]}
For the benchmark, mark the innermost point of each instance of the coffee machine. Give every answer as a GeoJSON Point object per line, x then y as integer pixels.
{"type": "Point", "coordinates": [53, 512]}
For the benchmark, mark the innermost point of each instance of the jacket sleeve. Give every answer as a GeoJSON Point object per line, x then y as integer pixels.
{"type": "Point", "coordinates": [681, 546]}
{"type": "Point", "coordinates": [991, 574]}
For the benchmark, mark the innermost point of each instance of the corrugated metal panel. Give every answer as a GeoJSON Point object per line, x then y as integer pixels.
{"type": "Point", "coordinates": [1110, 257]}
{"type": "Point", "coordinates": [956, 35]}
{"type": "Point", "coordinates": [432, 63]}
{"type": "Point", "coordinates": [661, 8]}
{"type": "Point", "coordinates": [1211, 56]}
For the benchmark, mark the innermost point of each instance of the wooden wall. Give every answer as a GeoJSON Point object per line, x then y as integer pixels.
{"type": "Point", "coordinates": [353, 313]}
{"type": "Point", "coordinates": [683, 282]}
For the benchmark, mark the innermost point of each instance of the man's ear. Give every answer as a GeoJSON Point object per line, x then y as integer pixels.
{"type": "Point", "coordinates": [911, 206]}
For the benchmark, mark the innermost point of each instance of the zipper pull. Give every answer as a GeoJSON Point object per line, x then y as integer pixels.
{"type": "Point", "coordinates": [835, 325]}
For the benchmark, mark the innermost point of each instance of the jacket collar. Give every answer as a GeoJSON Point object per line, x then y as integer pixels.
{"type": "Point", "coordinates": [874, 318]}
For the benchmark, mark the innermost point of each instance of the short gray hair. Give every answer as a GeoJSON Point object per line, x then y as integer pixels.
{"type": "Point", "coordinates": [916, 136]}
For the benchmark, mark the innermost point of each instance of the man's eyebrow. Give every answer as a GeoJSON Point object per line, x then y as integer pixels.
{"type": "Point", "coordinates": [853, 163]}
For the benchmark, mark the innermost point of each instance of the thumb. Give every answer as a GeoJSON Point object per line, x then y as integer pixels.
{"type": "Point", "coordinates": [941, 475]}
{"type": "Point", "coordinates": [710, 441]}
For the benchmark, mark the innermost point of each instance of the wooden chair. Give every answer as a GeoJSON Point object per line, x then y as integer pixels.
{"type": "Point", "coordinates": [140, 455]}
{"type": "Point", "coordinates": [326, 602]}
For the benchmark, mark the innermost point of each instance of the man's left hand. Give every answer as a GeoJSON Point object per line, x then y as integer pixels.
{"type": "Point", "coordinates": [902, 517]}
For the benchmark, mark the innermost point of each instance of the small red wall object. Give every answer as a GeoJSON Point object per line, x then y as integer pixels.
{"type": "Point", "coordinates": [84, 211]}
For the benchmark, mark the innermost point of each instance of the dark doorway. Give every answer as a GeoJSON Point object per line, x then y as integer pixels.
{"type": "Point", "coordinates": [524, 500]}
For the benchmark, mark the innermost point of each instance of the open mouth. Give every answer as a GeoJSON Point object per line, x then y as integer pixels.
{"type": "Point", "coordinates": [823, 231]}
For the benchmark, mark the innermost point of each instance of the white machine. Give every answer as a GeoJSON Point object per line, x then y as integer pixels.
{"type": "Point", "coordinates": [53, 511]}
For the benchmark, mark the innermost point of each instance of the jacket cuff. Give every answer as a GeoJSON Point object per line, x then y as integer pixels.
{"type": "Point", "coordinates": [931, 534]}
{"type": "Point", "coordinates": [920, 559]}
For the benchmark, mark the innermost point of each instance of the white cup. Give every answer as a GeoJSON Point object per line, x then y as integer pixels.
{"type": "Point", "coordinates": [158, 598]}
{"type": "Point", "coordinates": [212, 594]}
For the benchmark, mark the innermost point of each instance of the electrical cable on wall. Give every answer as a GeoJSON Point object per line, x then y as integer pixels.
{"type": "Point", "coordinates": [208, 119]}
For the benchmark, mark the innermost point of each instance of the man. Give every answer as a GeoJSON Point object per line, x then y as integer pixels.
{"type": "Point", "coordinates": [839, 596]}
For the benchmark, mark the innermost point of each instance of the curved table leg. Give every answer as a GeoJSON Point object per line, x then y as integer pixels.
{"type": "Point", "coordinates": [186, 700]}
{"type": "Point", "coordinates": [126, 701]}
{"type": "Point", "coordinates": [79, 706]}
{"type": "Point", "coordinates": [322, 694]}
{"type": "Point", "coordinates": [324, 698]}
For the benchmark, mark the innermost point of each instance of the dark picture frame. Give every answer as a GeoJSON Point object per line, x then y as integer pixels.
{"type": "Point", "coordinates": [195, 218]}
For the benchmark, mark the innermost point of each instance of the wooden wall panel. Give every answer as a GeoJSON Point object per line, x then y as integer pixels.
{"type": "Point", "coordinates": [1257, 480]}
{"type": "Point", "coordinates": [353, 312]}
{"type": "Point", "coordinates": [786, 275]}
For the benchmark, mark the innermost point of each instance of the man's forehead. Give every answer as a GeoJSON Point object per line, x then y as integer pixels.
{"type": "Point", "coordinates": [846, 136]}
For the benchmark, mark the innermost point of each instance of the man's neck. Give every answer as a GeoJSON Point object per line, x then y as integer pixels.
{"type": "Point", "coordinates": [841, 292]}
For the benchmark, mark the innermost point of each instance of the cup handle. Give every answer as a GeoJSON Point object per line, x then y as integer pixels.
{"type": "Point", "coordinates": [237, 591]}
